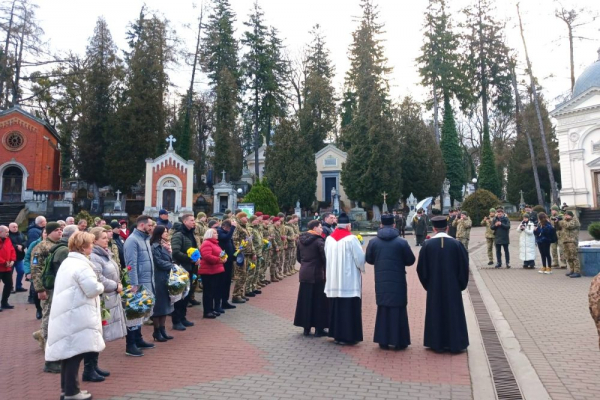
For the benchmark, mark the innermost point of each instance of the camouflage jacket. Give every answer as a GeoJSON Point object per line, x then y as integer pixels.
{"type": "Point", "coordinates": [199, 232]}
{"type": "Point", "coordinates": [290, 235]}
{"type": "Point", "coordinates": [275, 238]}
{"type": "Point", "coordinates": [243, 233]}
{"type": "Point", "coordinates": [489, 233]}
{"type": "Point", "coordinates": [463, 228]}
{"type": "Point", "coordinates": [115, 254]}
{"type": "Point", "coordinates": [39, 254]}
{"type": "Point", "coordinates": [570, 230]}
{"type": "Point", "coordinates": [257, 239]}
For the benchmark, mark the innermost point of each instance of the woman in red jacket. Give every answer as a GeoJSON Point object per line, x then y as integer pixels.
{"type": "Point", "coordinates": [212, 271]}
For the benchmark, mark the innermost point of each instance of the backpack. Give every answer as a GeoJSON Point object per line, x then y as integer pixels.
{"type": "Point", "coordinates": [49, 273]}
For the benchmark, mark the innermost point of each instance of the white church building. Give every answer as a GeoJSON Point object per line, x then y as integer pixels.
{"type": "Point", "coordinates": [578, 133]}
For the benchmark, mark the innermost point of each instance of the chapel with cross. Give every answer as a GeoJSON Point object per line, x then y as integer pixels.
{"type": "Point", "coordinates": [169, 183]}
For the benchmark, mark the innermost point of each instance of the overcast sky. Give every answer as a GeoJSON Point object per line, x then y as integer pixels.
{"type": "Point", "coordinates": [68, 24]}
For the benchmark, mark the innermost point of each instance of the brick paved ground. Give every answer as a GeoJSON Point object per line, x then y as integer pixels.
{"type": "Point", "coordinates": [549, 316]}
{"type": "Point", "coordinates": [253, 352]}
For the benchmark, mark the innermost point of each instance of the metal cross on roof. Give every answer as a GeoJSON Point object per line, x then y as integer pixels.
{"type": "Point", "coordinates": [170, 139]}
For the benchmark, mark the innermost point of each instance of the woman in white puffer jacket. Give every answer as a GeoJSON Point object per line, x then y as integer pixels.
{"type": "Point", "coordinates": [75, 325]}
{"type": "Point", "coordinates": [526, 242]}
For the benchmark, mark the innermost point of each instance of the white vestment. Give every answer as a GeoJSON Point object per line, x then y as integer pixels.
{"type": "Point", "coordinates": [345, 262]}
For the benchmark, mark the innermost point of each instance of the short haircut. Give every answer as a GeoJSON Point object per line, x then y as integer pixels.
{"type": "Point", "coordinates": [80, 240]}
{"type": "Point", "coordinates": [325, 215]}
{"type": "Point", "coordinates": [69, 231]}
{"type": "Point", "coordinates": [237, 211]}
{"type": "Point", "coordinates": [185, 217]}
{"type": "Point", "coordinates": [142, 219]}
{"type": "Point", "coordinates": [4, 228]}
{"type": "Point", "coordinates": [82, 220]}
{"type": "Point", "coordinates": [97, 232]}
{"type": "Point", "coordinates": [281, 215]}
{"type": "Point", "coordinates": [313, 224]}
{"type": "Point", "coordinates": [39, 219]}
{"type": "Point", "coordinates": [226, 223]}
{"type": "Point", "coordinates": [210, 233]}
{"type": "Point", "coordinates": [212, 223]}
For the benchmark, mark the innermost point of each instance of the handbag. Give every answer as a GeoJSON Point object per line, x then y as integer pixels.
{"type": "Point", "coordinates": [240, 259]}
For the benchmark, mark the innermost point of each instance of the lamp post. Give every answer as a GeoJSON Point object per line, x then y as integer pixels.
{"type": "Point", "coordinates": [239, 193]}
{"type": "Point", "coordinates": [474, 180]}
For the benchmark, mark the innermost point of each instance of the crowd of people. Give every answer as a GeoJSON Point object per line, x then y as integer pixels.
{"type": "Point", "coordinates": [79, 276]}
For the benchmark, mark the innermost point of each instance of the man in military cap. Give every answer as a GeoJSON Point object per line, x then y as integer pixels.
{"type": "Point", "coordinates": [570, 236]}
{"type": "Point", "coordinates": [489, 234]}
{"type": "Point", "coordinates": [463, 226]}
{"type": "Point", "coordinates": [419, 226]}
{"type": "Point", "coordinates": [443, 270]}
{"type": "Point", "coordinates": [38, 259]}
{"type": "Point", "coordinates": [556, 217]}
{"type": "Point", "coordinates": [453, 216]}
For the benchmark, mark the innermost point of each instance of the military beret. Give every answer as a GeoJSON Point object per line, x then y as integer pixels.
{"type": "Point", "coordinates": [258, 214]}
{"type": "Point", "coordinates": [252, 218]}
{"type": "Point", "coordinates": [275, 219]}
{"type": "Point", "coordinates": [569, 212]}
{"type": "Point", "coordinates": [241, 215]}
{"type": "Point", "coordinates": [555, 208]}
{"type": "Point", "coordinates": [107, 227]}
{"type": "Point", "coordinates": [265, 217]}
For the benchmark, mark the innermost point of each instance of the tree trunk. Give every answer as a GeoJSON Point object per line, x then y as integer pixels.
{"type": "Point", "coordinates": [256, 133]}
{"type": "Point", "coordinates": [520, 131]}
{"type": "Point", "coordinates": [436, 118]}
{"type": "Point", "coordinates": [536, 102]}
{"type": "Point", "coordinates": [4, 61]}
{"type": "Point", "coordinates": [571, 57]}
{"type": "Point", "coordinates": [18, 61]}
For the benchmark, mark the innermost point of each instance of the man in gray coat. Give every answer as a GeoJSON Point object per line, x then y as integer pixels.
{"type": "Point", "coordinates": [138, 256]}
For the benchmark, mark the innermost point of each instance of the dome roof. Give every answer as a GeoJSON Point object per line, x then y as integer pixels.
{"type": "Point", "coordinates": [588, 79]}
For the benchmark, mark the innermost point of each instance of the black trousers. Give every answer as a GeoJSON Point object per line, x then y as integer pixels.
{"type": "Point", "coordinates": [420, 239]}
{"type": "Point", "coordinates": [499, 253]}
{"type": "Point", "coordinates": [402, 231]}
{"type": "Point", "coordinates": [180, 307]}
{"type": "Point", "coordinates": [6, 278]}
{"type": "Point", "coordinates": [225, 283]}
{"type": "Point", "coordinates": [545, 253]}
{"type": "Point", "coordinates": [69, 374]}
{"type": "Point", "coordinates": [211, 291]}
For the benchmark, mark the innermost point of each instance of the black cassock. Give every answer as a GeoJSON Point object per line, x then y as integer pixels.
{"type": "Point", "coordinates": [443, 270]}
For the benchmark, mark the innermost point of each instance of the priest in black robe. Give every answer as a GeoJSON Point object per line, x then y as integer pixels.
{"type": "Point", "coordinates": [443, 270]}
{"type": "Point", "coordinates": [390, 254]}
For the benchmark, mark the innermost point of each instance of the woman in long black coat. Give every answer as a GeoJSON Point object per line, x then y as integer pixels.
{"type": "Point", "coordinates": [163, 263]}
{"type": "Point", "coordinates": [312, 309]}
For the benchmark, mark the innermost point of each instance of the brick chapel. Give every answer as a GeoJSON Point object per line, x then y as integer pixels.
{"type": "Point", "coordinates": [29, 155]}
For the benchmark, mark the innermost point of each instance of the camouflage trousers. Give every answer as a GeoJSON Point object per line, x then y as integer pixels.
{"type": "Point", "coordinates": [293, 260]}
{"type": "Point", "coordinates": [555, 249]}
{"type": "Point", "coordinates": [281, 267]}
{"type": "Point", "coordinates": [46, 304]}
{"type": "Point", "coordinates": [465, 242]}
{"type": "Point", "coordinates": [262, 274]}
{"type": "Point", "coordinates": [240, 277]}
{"type": "Point", "coordinates": [253, 274]}
{"type": "Point", "coordinates": [570, 250]}
{"type": "Point", "coordinates": [290, 259]}
{"type": "Point", "coordinates": [594, 299]}
{"type": "Point", "coordinates": [490, 249]}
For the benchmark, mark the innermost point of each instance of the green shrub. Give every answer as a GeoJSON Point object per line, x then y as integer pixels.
{"type": "Point", "coordinates": [85, 215]}
{"type": "Point", "coordinates": [263, 198]}
{"type": "Point", "coordinates": [539, 209]}
{"type": "Point", "coordinates": [594, 230]}
{"type": "Point", "coordinates": [478, 205]}
{"type": "Point", "coordinates": [515, 216]}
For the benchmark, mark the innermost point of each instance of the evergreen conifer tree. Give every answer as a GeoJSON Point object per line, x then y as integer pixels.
{"type": "Point", "coordinates": [452, 153]}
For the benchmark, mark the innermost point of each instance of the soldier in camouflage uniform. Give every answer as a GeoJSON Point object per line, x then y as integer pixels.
{"type": "Point", "coordinates": [112, 245]}
{"type": "Point", "coordinates": [241, 271]}
{"type": "Point", "coordinates": [290, 252]}
{"type": "Point", "coordinates": [39, 254]}
{"type": "Point", "coordinates": [282, 230]}
{"type": "Point", "coordinates": [570, 237]}
{"type": "Point", "coordinates": [253, 285]}
{"type": "Point", "coordinates": [296, 227]}
{"type": "Point", "coordinates": [277, 250]}
{"type": "Point", "coordinates": [557, 247]}
{"type": "Point", "coordinates": [201, 228]}
{"type": "Point", "coordinates": [594, 299]}
{"type": "Point", "coordinates": [463, 229]}
{"type": "Point", "coordinates": [489, 235]}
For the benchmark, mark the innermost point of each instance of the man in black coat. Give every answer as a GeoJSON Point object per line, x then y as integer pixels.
{"type": "Point", "coordinates": [419, 225]}
{"type": "Point", "coordinates": [443, 270]}
{"type": "Point", "coordinates": [451, 218]}
{"type": "Point", "coordinates": [118, 240]}
{"type": "Point", "coordinates": [390, 255]}
{"type": "Point", "coordinates": [18, 241]}
{"type": "Point", "coordinates": [501, 228]}
{"type": "Point", "coordinates": [225, 232]}
{"type": "Point", "coordinates": [328, 222]}
{"type": "Point", "coordinates": [181, 241]}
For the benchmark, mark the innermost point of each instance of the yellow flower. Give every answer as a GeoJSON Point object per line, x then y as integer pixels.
{"type": "Point", "coordinates": [129, 295]}
{"type": "Point", "coordinates": [127, 303]}
{"type": "Point", "coordinates": [149, 302]}
{"type": "Point", "coordinates": [144, 296]}
{"type": "Point", "coordinates": [141, 304]}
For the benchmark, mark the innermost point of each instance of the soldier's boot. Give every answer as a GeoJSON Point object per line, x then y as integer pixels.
{"type": "Point", "coordinates": [238, 300]}
{"type": "Point", "coordinates": [571, 272]}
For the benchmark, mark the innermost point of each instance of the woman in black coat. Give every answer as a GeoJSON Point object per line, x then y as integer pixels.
{"type": "Point", "coordinates": [163, 263]}
{"type": "Point", "coordinates": [312, 308]}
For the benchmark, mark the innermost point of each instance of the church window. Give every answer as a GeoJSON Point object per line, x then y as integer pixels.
{"type": "Point", "coordinates": [13, 141]}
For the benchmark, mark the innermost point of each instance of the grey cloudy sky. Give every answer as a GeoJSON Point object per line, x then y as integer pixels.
{"type": "Point", "coordinates": [68, 24]}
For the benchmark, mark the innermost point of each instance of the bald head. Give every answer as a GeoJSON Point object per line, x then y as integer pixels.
{"type": "Point", "coordinates": [13, 227]}
{"type": "Point", "coordinates": [3, 231]}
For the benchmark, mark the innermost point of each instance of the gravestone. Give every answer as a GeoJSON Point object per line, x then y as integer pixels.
{"type": "Point", "coordinates": [411, 202]}
{"type": "Point", "coordinates": [224, 196]}
{"type": "Point", "coordinates": [384, 208]}
{"type": "Point", "coordinates": [376, 214]}
{"type": "Point", "coordinates": [446, 200]}
{"type": "Point", "coordinates": [358, 213]}
{"type": "Point", "coordinates": [298, 209]}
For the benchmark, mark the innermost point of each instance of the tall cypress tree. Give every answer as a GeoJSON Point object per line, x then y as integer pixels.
{"type": "Point", "coordinates": [452, 153]}
{"type": "Point", "coordinates": [142, 115]}
{"type": "Point", "coordinates": [373, 164]}
{"type": "Point", "coordinates": [488, 70]}
{"type": "Point", "coordinates": [318, 113]}
{"type": "Point", "coordinates": [97, 122]}
{"type": "Point", "coordinates": [220, 62]}
{"type": "Point", "coordinates": [290, 166]}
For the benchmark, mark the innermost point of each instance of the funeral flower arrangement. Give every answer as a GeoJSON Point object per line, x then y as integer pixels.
{"type": "Point", "coordinates": [194, 254]}
{"type": "Point", "coordinates": [223, 256]}
{"type": "Point", "coordinates": [266, 244]}
{"type": "Point", "coordinates": [104, 313]}
{"type": "Point", "coordinates": [360, 239]}
{"type": "Point", "coordinates": [137, 304]}
{"type": "Point", "coordinates": [241, 247]}
{"type": "Point", "coordinates": [179, 280]}
{"type": "Point", "coordinates": [251, 265]}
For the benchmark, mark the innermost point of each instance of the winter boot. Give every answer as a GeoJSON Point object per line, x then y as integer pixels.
{"type": "Point", "coordinates": [89, 372]}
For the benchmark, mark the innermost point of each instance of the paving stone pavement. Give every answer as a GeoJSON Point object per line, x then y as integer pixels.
{"type": "Point", "coordinates": [550, 317]}
{"type": "Point", "coordinates": [253, 352]}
